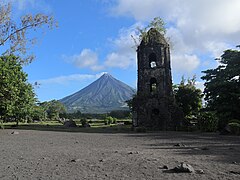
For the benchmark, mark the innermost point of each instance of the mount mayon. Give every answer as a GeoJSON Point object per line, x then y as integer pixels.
{"type": "Point", "coordinates": [103, 95]}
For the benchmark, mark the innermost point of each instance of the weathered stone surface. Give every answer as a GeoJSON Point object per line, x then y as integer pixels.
{"type": "Point", "coordinates": [154, 106]}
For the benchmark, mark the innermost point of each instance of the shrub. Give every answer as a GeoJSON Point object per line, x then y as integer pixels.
{"type": "Point", "coordinates": [1, 124]}
{"type": "Point", "coordinates": [105, 121]}
{"type": "Point", "coordinates": [108, 120]}
{"type": "Point", "coordinates": [207, 121]}
{"type": "Point", "coordinates": [234, 121]}
{"type": "Point", "coordinates": [83, 122]}
{"type": "Point", "coordinates": [90, 122]}
{"type": "Point", "coordinates": [114, 120]}
{"type": "Point", "coordinates": [234, 128]}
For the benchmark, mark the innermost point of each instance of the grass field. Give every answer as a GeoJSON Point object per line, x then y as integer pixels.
{"type": "Point", "coordinates": [96, 126]}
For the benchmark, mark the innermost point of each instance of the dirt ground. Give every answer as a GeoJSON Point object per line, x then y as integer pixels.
{"type": "Point", "coordinates": [68, 155]}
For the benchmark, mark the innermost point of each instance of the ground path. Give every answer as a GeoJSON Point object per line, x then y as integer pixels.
{"type": "Point", "coordinates": [68, 155]}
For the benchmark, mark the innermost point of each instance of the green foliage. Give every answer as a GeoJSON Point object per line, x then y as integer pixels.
{"type": "Point", "coordinates": [222, 87]}
{"type": "Point", "coordinates": [114, 121]}
{"type": "Point", "coordinates": [13, 35]}
{"type": "Point", "coordinates": [188, 97]}
{"type": "Point", "coordinates": [53, 109]}
{"type": "Point", "coordinates": [105, 121]}
{"type": "Point", "coordinates": [39, 113]}
{"type": "Point", "coordinates": [16, 94]}
{"type": "Point", "coordinates": [83, 122]}
{"type": "Point", "coordinates": [119, 114]}
{"type": "Point", "coordinates": [108, 120]}
{"type": "Point", "coordinates": [234, 121]}
{"type": "Point", "coordinates": [157, 23]}
{"type": "Point", "coordinates": [207, 121]}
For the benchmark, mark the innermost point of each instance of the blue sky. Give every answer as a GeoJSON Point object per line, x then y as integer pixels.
{"type": "Point", "coordinates": [94, 36]}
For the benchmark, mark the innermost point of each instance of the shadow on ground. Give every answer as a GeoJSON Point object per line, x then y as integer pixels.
{"type": "Point", "coordinates": [221, 148]}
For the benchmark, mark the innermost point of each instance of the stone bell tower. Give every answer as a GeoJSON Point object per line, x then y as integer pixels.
{"type": "Point", "coordinates": [153, 105]}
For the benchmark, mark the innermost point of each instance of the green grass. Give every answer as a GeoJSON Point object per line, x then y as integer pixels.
{"type": "Point", "coordinates": [96, 127]}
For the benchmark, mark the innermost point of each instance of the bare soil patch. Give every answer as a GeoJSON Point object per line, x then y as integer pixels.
{"type": "Point", "coordinates": [33, 154]}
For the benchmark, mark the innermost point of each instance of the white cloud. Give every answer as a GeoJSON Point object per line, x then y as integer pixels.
{"type": "Point", "coordinates": [70, 78]}
{"type": "Point", "coordinates": [119, 60]}
{"type": "Point", "coordinates": [195, 27]}
{"type": "Point", "coordinates": [86, 59]}
{"type": "Point", "coordinates": [185, 63]}
{"type": "Point", "coordinates": [124, 54]}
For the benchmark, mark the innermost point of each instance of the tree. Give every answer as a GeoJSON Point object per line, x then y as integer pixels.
{"type": "Point", "coordinates": [53, 109]}
{"type": "Point", "coordinates": [157, 23]}
{"type": "Point", "coordinates": [39, 113]}
{"type": "Point", "coordinates": [13, 36]}
{"type": "Point", "coordinates": [222, 87]}
{"type": "Point", "coordinates": [188, 97]}
{"type": "Point", "coordinates": [24, 103]}
{"type": "Point", "coordinates": [16, 94]}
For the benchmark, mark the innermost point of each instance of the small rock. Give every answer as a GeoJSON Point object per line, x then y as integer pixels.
{"type": "Point", "coordinates": [234, 162]}
{"type": "Point", "coordinates": [136, 152]}
{"type": "Point", "coordinates": [75, 160]}
{"type": "Point", "coordinates": [205, 148]}
{"type": "Point", "coordinates": [183, 168]}
{"type": "Point", "coordinates": [14, 132]}
{"type": "Point", "coordinates": [20, 158]}
{"type": "Point", "coordinates": [100, 160]}
{"type": "Point", "coordinates": [199, 171]}
{"type": "Point", "coordinates": [163, 167]}
{"type": "Point", "coordinates": [179, 145]}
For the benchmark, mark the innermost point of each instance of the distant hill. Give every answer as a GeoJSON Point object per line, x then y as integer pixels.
{"type": "Point", "coordinates": [103, 95]}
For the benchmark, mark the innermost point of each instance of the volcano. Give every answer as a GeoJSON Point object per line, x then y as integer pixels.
{"type": "Point", "coordinates": [103, 95]}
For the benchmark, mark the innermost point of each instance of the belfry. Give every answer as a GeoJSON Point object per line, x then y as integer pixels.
{"type": "Point", "coordinates": [153, 106]}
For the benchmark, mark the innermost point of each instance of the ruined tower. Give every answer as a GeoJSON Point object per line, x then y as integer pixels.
{"type": "Point", "coordinates": [153, 105]}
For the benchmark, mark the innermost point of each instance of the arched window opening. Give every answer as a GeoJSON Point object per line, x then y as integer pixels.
{"type": "Point", "coordinates": [153, 85]}
{"type": "Point", "coordinates": [152, 60]}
